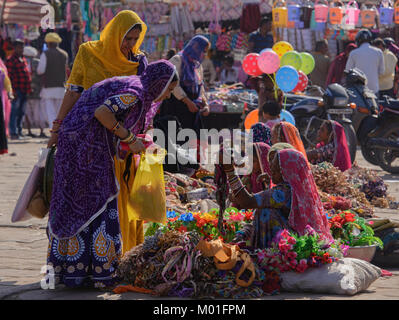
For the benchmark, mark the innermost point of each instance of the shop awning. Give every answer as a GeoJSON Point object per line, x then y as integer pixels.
{"type": "Point", "coordinates": [25, 12]}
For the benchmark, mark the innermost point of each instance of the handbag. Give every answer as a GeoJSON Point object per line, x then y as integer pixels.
{"type": "Point", "coordinates": [31, 200]}
{"type": "Point", "coordinates": [39, 205]}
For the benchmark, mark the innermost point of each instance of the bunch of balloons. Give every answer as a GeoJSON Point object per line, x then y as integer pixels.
{"type": "Point", "coordinates": [290, 68]}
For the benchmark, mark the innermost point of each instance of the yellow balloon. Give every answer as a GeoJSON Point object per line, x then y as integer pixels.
{"type": "Point", "coordinates": [282, 47]}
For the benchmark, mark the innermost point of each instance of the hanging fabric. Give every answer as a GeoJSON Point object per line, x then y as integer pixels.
{"type": "Point", "coordinates": [214, 26]}
{"type": "Point", "coordinates": [250, 17]}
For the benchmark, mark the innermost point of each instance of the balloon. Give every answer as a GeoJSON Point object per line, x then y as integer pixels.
{"type": "Point", "coordinates": [302, 82]}
{"type": "Point", "coordinates": [308, 63]}
{"type": "Point", "coordinates": [287, 78]}
{"type": "Point", "coordinates": [282, 47]}
{"type": "Point", "coordinates": [250, 65]}
{"type": "Point", "coordinates": [269, 62]}
{"type": "Point", "coordinates": [264, 50]}
{"type": "Point", "coordinates": [291, 58]}
{"type": "Point", "coordinates": [287, 116]}
{"type": "Point", "coordinates": [251, 119]}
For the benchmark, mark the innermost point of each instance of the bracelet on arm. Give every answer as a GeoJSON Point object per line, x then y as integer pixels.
{"type": "Point", "coordinates": [53, 131]}
{"type": "Point", "coordinates": [235, 184]}
{"type": "Point", "coordinates": [115, 127]}
{"type": "Point", "coordinates": [131, 138]}
{"type": "Point", "coordinates": [57, 121]}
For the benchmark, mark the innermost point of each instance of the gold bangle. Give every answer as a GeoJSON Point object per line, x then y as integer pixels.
{"type": "Point", "coordinates": [129, 137]}
{"type": "Point", "coordinates": [115, 127]}
{"type": "Point", "coordinates": [132, 140]}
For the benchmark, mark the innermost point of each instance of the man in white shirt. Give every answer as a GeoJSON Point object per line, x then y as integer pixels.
{"type": "Point", "coordinates": [390, 60]}
{"type": "Point", "coordinates": [52, 66]}
{"type": "Point", "coordinates": [368, 59]}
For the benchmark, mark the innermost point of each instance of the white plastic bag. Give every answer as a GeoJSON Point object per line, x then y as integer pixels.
{"type": "Point", "coordinates": [31, 185]}
{"type": "Point", "coordinates": [347, 276]}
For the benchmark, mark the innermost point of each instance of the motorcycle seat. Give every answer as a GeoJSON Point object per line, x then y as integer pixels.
{"type": "Point", "coordinates": [390, 104]}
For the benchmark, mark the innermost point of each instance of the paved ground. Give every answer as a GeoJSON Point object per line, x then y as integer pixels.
{"type": "Point", "coordinates": [23, 245]}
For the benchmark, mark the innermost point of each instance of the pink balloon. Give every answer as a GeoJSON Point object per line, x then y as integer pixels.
{"type": "Point", "coordinates": [250, 65]}
{"type": "Point", "coordinates": [269, 62]}
{"type": "Point", "coordinates": [302, 82]}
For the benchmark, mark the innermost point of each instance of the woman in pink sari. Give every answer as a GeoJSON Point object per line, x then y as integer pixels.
{"type": "Point", "coordinates": [293, 203]}
{"type": "Point", "coordinates": [332, 146]}
{"type": "Point", "coordinates": [4, 98]}
{"type": "Point", "coordinates": [259, 179]}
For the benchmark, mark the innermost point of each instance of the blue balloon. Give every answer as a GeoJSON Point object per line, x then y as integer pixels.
{"type": "Point", "coordinates": [264, 50]}
{"type": "Point", "coordinates": [287, 78]}
{"type": "Point", "coordinates": [287, 116]}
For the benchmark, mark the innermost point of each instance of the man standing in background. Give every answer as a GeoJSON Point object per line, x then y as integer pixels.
{"type": "Point", "coordinates": [53, 66]}
{"type": "Point", "coordinates": [386, 80]}
{"type": "Point", "coordinates": [368, 59]}
{"type": "Point", "coordinates": [263, 38]}
{"type": "Point", "coordinates": [322, 64]}
{"type": "Point", "coordinates": [19, 74]}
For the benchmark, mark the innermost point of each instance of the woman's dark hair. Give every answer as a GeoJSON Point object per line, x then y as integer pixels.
{"type": "Point", "coordinates": [272, 107]}
{"type": "Point", "coordinates": [264, 20]}
{"type": "Point", "coordinates": [175, 78]}
{"type": "Point", "coordinates": [126, 173]}
{"type": "Point", "coordinates": [379, 42]}
{"type": "Point", "coordinates": [229, 60]}
{"type": "Point", "coordinates": [136, 27]}
{"type": "Point", "coordinates": [328, 125]}
{"type": "Point", "coordinates": [170, 54]}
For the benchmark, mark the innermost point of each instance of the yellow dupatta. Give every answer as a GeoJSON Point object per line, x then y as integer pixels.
{"type": "Point", "coordinates": [103, 59]}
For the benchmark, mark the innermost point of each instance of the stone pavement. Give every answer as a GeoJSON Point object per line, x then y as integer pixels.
{"type": "Point", "coordinates": [23, 245]}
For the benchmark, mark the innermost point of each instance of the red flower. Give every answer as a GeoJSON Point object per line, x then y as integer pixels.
{"type": "Point", "coordinates": [326, 258]}
{"type": "Point", "coordinates": [292, 255]}
{"type": "Point", "coordinates": [291, 240]}
{"type": "Point", "coordinates": [182, 229]}
{"type": "Point", "coordinates": [285, 233]}
{"type": "Point", "coordinates": [201, 222]}
{"type": "Point", "coordinates": [302, 266]}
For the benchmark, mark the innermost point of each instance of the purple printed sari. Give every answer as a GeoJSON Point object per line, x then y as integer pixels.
{"type": "Point", "coordinates": [84, 178]}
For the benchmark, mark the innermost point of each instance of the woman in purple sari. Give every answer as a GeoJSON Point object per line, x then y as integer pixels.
{"type": "Point", "coordinates": [83, 229]}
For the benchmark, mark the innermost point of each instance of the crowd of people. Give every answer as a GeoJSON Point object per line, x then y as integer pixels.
{"type": "Point", "coordinates": [114, 95]}
{"type": "Point", "coordinates": [376, 58]}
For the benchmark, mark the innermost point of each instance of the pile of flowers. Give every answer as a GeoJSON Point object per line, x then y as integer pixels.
{"type": "Point", "coordinates": [337, 202]}
{"type": "Point", "coordinates": [333, 182]}
{"type": "Point", "coordinates": [353, 230]}
{"type": "Point", "coordinates": [206, 224]}
{"type": "Point", "coordinates": [291, 252]}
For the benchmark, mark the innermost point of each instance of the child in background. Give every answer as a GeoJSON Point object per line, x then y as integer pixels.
{"type": "Point", "coordinates": [229, 74]}
{"type": "Point", "coordinates": [209, 69]}
{"type": "Point", "coordinates": [269, 113]}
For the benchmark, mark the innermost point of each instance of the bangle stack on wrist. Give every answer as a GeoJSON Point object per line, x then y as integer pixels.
{"type": "Point", "coordinates": [56, 121]}
{"type": "Point", "coordinates": [131, 138]}
{"type": "Point", "coordinates": [234, 182]}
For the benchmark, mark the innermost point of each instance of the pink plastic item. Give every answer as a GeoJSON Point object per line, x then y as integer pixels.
{"type": "Point", "coordinates": [321, 11]}
{"type": "Point", "coordinates": [352, 13]}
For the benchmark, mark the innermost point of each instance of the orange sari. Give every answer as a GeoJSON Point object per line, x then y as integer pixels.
{"type": "Point", "coordinates": [288, 132]}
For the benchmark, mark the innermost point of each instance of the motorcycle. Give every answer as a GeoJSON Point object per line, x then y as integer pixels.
{"type": "Point", "coordinates": [371, 123]}
{"type": "Point", "coordinates": [376, 123]}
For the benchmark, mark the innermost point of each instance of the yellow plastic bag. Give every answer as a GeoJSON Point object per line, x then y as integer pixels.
{"type": "Point", "coordinates": [147, 200]}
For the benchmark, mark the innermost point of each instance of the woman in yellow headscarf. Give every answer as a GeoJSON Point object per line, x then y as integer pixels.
{"type": "Point", "coordinates": [117, 53]}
